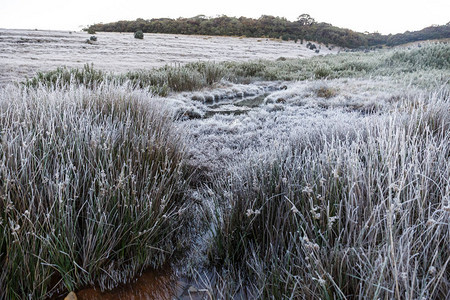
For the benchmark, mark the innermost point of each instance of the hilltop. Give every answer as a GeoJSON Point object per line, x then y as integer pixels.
{"type": "Point", "coordinates": [305, 28]}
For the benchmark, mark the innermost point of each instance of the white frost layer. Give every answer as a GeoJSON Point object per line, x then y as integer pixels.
{"type": "Point", "coordinates": [220, 139]}
{"type": "Point", "coordinates": [24, 52]}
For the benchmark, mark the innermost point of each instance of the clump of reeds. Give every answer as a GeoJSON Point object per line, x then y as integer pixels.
{"type": "Point", "coordinates": [343, 214]}
{"type": "Point", "coordinates": [91, 186]}
{"type": "Point", "coordinates": [159, 81]}
{"type": "Point", "coordinates": [62, 77]}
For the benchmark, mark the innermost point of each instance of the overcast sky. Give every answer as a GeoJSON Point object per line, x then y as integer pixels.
{"type": "Point", "coordinates": [384, 16]}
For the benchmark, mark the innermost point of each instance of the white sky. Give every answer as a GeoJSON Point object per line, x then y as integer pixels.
{"type": "Point", "coordinates": [384, 16]}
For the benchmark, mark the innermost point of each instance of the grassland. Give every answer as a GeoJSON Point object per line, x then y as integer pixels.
{"type": "Point", "coordinates": [100, 178]}
{"type": "Point", "coordinates": [193, 76]}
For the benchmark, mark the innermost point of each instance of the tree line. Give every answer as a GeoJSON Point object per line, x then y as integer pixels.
{"type": "Point", "coordinates": [305, 28]}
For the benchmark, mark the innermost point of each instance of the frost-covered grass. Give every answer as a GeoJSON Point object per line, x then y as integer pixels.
{"type": "Point", "coordinates": [25, 52]}
{"type": "Point", "coordinates": [91, 186]}
{"type": "Point", "coordinates": [333, 189]}
{"type": "Point", "coordinates": [393, 63]}
{"type": "Point", "coordinates": [221, 139]}
{"type": "Point", "coordinates": [430, 61]}
{"type": "Point", "coordinates": [340, 212]}
{"type": "Point", "coordinates": [160, 81]}
{"type": "Point", "coordinates": [333, 185]}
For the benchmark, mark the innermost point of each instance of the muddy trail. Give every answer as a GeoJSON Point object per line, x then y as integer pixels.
{"type": "Point", "coordinates": [160, 284]}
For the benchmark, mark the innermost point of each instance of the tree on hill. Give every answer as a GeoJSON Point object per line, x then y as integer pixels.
{"type": "Point", "coordinates": [305, 20]}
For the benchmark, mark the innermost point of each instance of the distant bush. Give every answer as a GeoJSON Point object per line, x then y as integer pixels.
{"type": "Point", "coordinates": [311, 46]}
{"type": "Point", "coordinates": [428, 33]}
{"type": "Point", "coordinates": [91, 30]}
{"type": "Point", "coordinates": [139, 35]}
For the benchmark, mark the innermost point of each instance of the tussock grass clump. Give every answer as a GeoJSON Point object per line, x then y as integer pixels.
{"type": "Point", "coordinates": [211, 72]}
{"type": "Point", "coordinates": [322, 72]}
{"type": "Point", "coordinates": [153, 81]}
{"type": "Point", "coordinates": [91, 185]}
{"type": "Point", "coordinates": [247, 69]}
{"type": "Point", "coordinates": [183, 79]}
{"type": "Point", "coordinates": [63, 77]}
{"type": "Point", "coordinates": [337, 215]}
{"type": "Point", "coordinates": [326, 92]}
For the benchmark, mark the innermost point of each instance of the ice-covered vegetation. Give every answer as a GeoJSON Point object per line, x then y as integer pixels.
{"type": "Point", "coordinates": [355, 209]}
{"type": "Point", "coordinates": [25, 52]}
{"type": "Point", "coordinates": [325, 178]}
{"type": "Point", "coordinates": [91, 188]}
{"type": "Point", "coordinates": [194, 76]}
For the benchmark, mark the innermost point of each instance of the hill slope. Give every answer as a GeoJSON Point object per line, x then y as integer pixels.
{"type": "Point", "coordinates": [305, 28]}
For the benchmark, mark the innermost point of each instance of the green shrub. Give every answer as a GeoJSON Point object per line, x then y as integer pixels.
{"type": "Point", "coordinates": [139, 35]}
